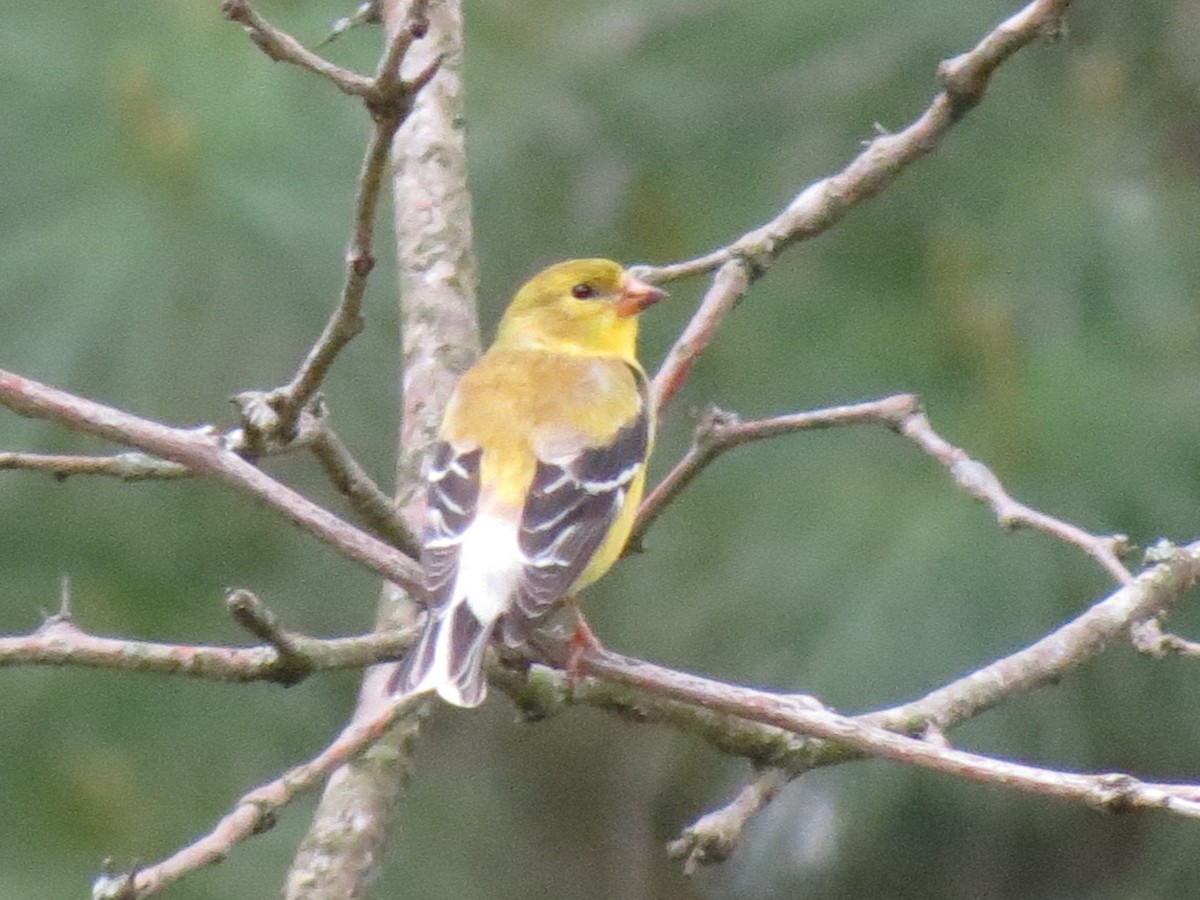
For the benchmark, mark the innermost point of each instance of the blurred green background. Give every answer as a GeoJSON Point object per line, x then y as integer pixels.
{"type": "Point", "coordinates": [173, 211]}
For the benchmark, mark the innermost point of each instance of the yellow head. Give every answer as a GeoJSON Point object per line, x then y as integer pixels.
{"type": "Point", "coordinates": [585, 306]}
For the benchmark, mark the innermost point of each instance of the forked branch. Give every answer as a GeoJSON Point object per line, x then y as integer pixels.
{"type": "Point", "coordinates": [719, 432]}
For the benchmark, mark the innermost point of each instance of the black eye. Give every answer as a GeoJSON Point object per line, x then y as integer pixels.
{"type": "Point", "coordinates": [583, 291]}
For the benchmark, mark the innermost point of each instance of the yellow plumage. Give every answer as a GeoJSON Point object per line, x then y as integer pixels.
{"type": "Point", "coordinates": [538, 473]}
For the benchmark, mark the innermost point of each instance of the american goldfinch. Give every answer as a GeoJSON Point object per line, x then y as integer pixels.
{"type": "Point", "coordinates": [538, 471]}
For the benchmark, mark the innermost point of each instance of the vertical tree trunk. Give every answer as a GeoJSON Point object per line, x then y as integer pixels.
{"type": "Point", "coordinates": [340, 855]}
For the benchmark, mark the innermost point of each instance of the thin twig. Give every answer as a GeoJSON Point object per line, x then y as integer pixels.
{"type": "Point", "coordinates": [962, 81]}
{"type": "Point", "coordinates": [202, 450]}
{"type": "Point", "coordinates": [1149, 638]}
{"type": "Point", "coordinates": [373, 506]}
{"type": "Point", "coordinates": [389, 99]}
{"type": "Point", "coordinates": [292, 663]}
{"type": "Point", "coordinates": [253, 814]}
{"type": "Point", "coordinates": [1043, 662]}
{"type": "Point", "coordinates": [125, 466]}
{"type": "Point", "coordinates": [1080, 640]}
{"type": "Point", "coordinates": [715, 835]}
{"type": "Point", "coordinates": [1048, 658]}
{"type": "Point", "coordinates": [719, 431]}
{"type": "Point", "coordinates": [728, 287]}
{"type": "Point", "coordinates": [282, 47]}
{"type": "Point", "coordinates": [347, 320]}
{"type": "Point", "coordinates": [980, 482]}
{"type": "Point", "coordinates": [1113, 792]}
{"type": "Point", "coordinates": [60, 642]}
{"type": "Point", "coordinates": [412, 26]}
{"type": "Point", "coordinates": [368, 13]}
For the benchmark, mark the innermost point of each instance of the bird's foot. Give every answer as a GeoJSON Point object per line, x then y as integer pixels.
{"type": "Point", "coordinates": [581, 642]}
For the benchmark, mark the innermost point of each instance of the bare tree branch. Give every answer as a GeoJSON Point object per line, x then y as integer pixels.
{"type": "Point", "coordinates": [963, 81]}
{"type": "Point", "coordinates": [1049, 658]}
{"type": "Point", "coordinates": [727, 289]}
{"type": "Point", "coordinates": [367, 13]}
{"type": "Point", "coordinates": [781, 718]}
{"type": "Point", "coordinates": [389, 98]}
{"type": "Point", "coordinates": [125, 466]}
{"type": "Point", "coordinates": [1046, 660]}
{"type": "Point", "coordinates": [254, 814]}
{"type": "Point", "coordinates": [719, 431]}
{"type": "Point", "coordinates": [202, 450]}
{"type": "Point", "coordinates": [982, 484]}
{"type": "Point", "coordinates": [373, 506]}
{"type": "Point", "coordinates": [289, 657]}
{"type": "Point", "coordinates": [715, 835]}
{"type": "Point", "coordinates": [282, 47]}
{"type": "Point", "coordinates": [1149, 638]}
{"type": "Point", "coordinates": [770, 728]}
{"type": "Point", "coordinates": [1043, 662]}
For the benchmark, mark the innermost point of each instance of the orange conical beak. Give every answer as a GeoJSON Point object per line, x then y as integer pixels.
{"type": "Point", "coordinates": [636, 295]}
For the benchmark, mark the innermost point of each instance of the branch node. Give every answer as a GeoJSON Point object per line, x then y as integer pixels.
{"type": "Point", "coordinates": [235, 10]}
{"type": "Point", "coordinates": [361, 262]}
{"type": "Point", "coordinates": [964, 79]}
{"type": "Point", "coordinates": [269, 426]}
{"type": "Point", "coordinates": [60, 621]}
{"type": "Point", "coordinates": [259, 414]}
{"type": "Point", "coordinates": [267, 818]}
{"type": "Point", "coordinates": [293, 666]}
{"type": "Point", "coordinates": [1055, 29]}
{"type": "Point", "coordinates": [110, 885]}
{"type": "Point", "coordinates": [1115, 793]}
{"type": "Point", "coordinates": [933, 733]}
{"type": "Point", "coordinates": [979, 481]}
{"type": "Point", "coordinates": [715, 835]}
{"type": "Point", "coordinates": [697, 848]}
{"type": "Point", "coordinates": [390, 101]}
{"type": "Point", "coordinates": [253, 615]}
{"type": "Point", "coordinates": [1162, 551]}
{"type": "Point", "coordinates": [898, 409]}
{"type": "Point", "coordinates": [1118, 544]}
{"type": "Point", "coordinates": [712, 426]}
{"type": "Point", "coordinates": [756, 251]}
{"type": "Point", "coordinates": [1148, 637]}
{"type": "Point", "coordinates": [544, 692]}
{"type": "Point", "coordinates": [425, 76]}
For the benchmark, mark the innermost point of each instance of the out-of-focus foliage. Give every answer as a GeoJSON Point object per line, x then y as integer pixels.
{"type": "Point", "coordinates": [173, 210]}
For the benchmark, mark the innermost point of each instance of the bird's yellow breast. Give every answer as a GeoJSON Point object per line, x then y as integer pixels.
{"type": "Point", "coordinates": [524, 405]}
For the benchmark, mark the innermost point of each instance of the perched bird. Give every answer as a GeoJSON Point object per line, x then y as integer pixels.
{"type": "Point", "coordinates": [538, 471]}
